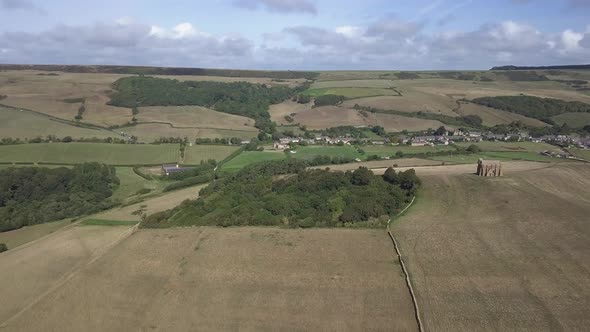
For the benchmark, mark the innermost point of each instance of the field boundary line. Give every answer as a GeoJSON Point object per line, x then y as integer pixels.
{"type": "Point", "coordinates": [405, 270]}
{"type": "Point", "coordinates": [71, 274]}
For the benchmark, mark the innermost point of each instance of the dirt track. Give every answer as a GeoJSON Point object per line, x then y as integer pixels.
{"type": "Point", "coordinates": [495, 254]}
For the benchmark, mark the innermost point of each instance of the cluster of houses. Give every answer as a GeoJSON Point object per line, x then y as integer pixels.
{"type": "Point", "coordinates": [284, 143]}
{"type": "Point", "coordinates": [444, 139]}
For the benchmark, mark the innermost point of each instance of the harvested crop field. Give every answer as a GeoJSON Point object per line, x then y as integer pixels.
{"type": "Point", "coordinates": [410, 101]}
{"type": "Point", "coordinates": [278, 112]}
{"type": "Point", "coordinates": [194, 116]}
{"type": "Point", "coordinates": [251, 279]}
{"type": "Point", "coordinates": [149, 132]}
{"type": "Point", "coordinates": [23, 124]}
{"type": "Point", "coordinates": [39, 267]}
{"type": "Point", "coordinates": [50, 94]}
{"type": "Point", "coordinates": [509, 253]}
{"type": "Point", "coordinates": [331, 116]}
{"type": "Point", "coordinates": [492, 116]}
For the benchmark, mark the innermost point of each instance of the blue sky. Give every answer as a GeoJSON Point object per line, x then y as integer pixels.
{"type": "Point", "coordinates": [297, 34]}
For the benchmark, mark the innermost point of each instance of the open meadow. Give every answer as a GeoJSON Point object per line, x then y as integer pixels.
{"type": "Point", "coordinates": [251, 279]}
{"type": "Point", "coordinates": [507, 253]}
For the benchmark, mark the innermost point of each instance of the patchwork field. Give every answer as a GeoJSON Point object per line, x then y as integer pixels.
{"type": "Point", "coordinates": [49, 95]}
{"type": "Point", "coordinates": [20, 236]}
{"type": "Point", "coordinates": [286, 108]}
{"type": "Point", "coordinates": [250, 279]}
{"type": "Point", "coordinates": [511, 146]}
{"type": "Point", "coordinates": [506, 253]}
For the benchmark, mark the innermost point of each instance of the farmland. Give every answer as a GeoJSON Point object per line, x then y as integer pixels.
{"type": "Point", "coordinates": [526, 237]}
{"type": "Point", "coordinates": [195, 117]}
{"type": "Point", "coordinates": [22, 124]}
{"type": "Point", "coordinates": [251, 278]}
{"type": "Point", "coordinates": [112, 154]}
{"type": "Point", "coordinates": [248, 157]}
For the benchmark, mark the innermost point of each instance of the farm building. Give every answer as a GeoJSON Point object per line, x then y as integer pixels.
{"type": "Point", "coordinates": [489, 168]}
{"type": "Point", "coordinates": [173, 168]}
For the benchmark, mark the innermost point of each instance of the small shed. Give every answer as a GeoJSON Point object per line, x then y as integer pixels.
{"type": "Point", "coordinates": [489, 168]}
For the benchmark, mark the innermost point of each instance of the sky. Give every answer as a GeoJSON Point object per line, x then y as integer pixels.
{"type": "Point", "coordinates": [297, 34]}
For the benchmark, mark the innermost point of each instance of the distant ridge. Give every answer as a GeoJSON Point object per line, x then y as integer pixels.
{"type": "Point", "coordinates": [583, 67]}
{"type": "Point", "coordinates": [146, 70]}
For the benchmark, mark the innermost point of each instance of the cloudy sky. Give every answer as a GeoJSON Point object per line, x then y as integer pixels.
{"type": "Point", "coordinates": [297, 34]}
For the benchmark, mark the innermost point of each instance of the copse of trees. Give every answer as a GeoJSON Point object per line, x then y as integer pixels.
{"type": "Point", "coordinates": [327, 100]}
{"type": "Point", "coordinates": [533, 107]}
{"type": "Point", "coordinates": [3, 247]}
{"type": "Point", "coordinates": [306, 198]}
{"type": "Point", "coordinates": [240, 98]}
{"type": "Point", "coordinates": [32, 195]}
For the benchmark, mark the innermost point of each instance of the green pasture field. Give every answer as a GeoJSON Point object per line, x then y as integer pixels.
{"type": "Point", "coordinates": [25, 124]}
{"type": "Point", "coordinates": [580, 153]}
{"type": "Point", "coordinates": [75, 153]}
{"type": "Point", "coordinates": [248, 157]}
{"type": "Point", "coordinates": [351, 93]}
{"type": "Point", "coordinates": [112, 154]}
{"type": "Point", "coordinates": [353, 84]}
{"type": "Point", "coordinates": [193, 155]}
{"type": "Point", "coordinates": [309, 152]}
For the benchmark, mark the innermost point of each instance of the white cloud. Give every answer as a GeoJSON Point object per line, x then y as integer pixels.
{"type": "Point", "coordinates": [279, 6]}
{"type": "Point", "coordinates": [571, 40]}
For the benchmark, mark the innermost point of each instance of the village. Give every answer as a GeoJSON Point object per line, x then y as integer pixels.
{"type": "Point", "coordinates": [439, 137]}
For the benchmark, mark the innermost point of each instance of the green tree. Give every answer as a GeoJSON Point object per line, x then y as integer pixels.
{"type": "Point", "coordinates": [361, 176]}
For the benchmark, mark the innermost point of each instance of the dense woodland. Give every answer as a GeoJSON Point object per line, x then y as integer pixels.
{"type": "Point", "coordinates": [304, 198]}
{"type": "Point", "coordinates": [33, 195]}
{"type": "Point", "coordinates": [533, 107]}
{"type": "Point", "coordinates": [240, 98]}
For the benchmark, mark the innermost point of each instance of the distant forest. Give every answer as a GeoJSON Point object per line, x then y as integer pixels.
{"type": "Point", "coordinates": [533, 107]}
{"type": "Point", "coordinates": [572, 67]}
{"type": "Point", "coordinates": [240, 98]}
{"type": "Point", "coordinates": [34, 195]}
{"type": "Point", "coordinates": [307, 198]}
{"type": "Point", "coordinates": [141, 70]}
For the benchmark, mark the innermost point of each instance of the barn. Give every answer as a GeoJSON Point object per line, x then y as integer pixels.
{"type": "Point", "coordinates": [489, 168]}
